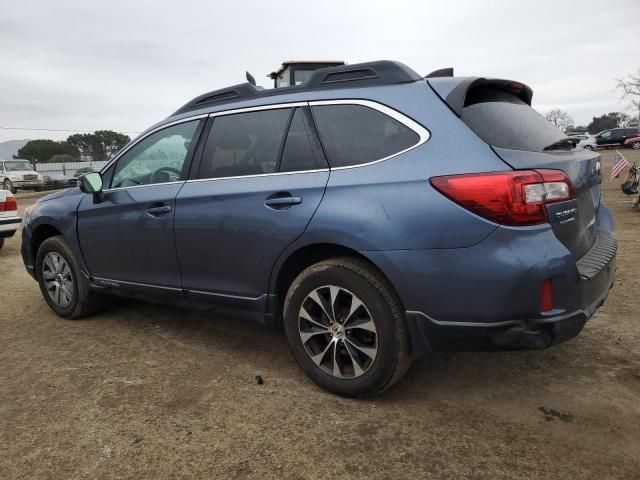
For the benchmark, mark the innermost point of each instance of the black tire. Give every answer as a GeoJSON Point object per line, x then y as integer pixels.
{"type": "Point", "coordinates": [7, 185]}
{"type": "Point", "coordinates": [1, 243]}
{"type": "Point", "coordinates": [83, 302]}
{"type": "Point", "coordinates": [393, 356]}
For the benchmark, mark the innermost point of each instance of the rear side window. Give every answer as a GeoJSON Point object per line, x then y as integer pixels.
{"type": "Point", "coordinates": [355, 134]}
{"type": "Point", "coordinates": [244, 144]}
{"type": "Point", "coordinates": [503, 120]}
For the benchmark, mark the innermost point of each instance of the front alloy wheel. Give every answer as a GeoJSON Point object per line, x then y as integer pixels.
{"type": "Point", "coordinates": [338, 332]}
{"type": "Point", "coordinates": [61, 282]}
{"type": "Point", "coordinates": [58, 279]}
{"type": "Point", "coordinates": [7, 185]}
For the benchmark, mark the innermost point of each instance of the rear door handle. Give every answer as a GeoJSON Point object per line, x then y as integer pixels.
{"type": "Point", "coordinates": [281, 202]}
{"type": "Point", "coordinates": [159, 211]}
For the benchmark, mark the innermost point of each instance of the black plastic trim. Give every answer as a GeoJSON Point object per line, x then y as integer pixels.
{"type": "Point", "coordinates": [456, 99]}
{"type": "Point", "coordinates": [381, 72]}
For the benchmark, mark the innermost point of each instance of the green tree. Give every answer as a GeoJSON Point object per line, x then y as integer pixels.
{"type": "Point", "coordinates": [62, 158]}
{"type": "Point", "coordinates": [42, 150]}
{"type": "Point", "coordinates": [100, 145]}
{"type": "Point", "coordinates": [605, 122]}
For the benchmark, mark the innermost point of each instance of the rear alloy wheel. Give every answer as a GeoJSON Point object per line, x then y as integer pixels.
{"type": "Point", "coordinates": [635, 145]}
{"type": "Point", "coordinates": [346, 328]}
{"type": "Point", "coordinates": [338, 332]}
{"type": "Point", "coordinates": [588, 147]}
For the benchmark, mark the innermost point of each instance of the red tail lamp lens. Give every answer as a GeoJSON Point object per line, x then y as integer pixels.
{"type": "Point", "coordinates": [546, 296]}
{"type": "Point", "coordinates": [513, 198]}
{"type": "Point", "coordinates": [10, 204]}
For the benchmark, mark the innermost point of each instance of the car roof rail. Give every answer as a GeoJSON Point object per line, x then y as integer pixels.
{"type": "Point", "coordinates": [381, 72]}
{"type": "Point", "coordinates": [223, 95]}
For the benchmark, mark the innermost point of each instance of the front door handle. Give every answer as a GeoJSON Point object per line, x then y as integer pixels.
{"type": "Point", "coordinates": [280, 201]}
{"type": "Point", "coordinates": [159, 211]}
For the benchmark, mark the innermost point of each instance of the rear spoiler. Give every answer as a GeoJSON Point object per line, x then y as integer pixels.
{"type": "Point", "coordinates": [458, 96]}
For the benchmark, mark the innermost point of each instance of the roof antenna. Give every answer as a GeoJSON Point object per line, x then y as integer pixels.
{"type": "Point", "coordinates": [250, 78]}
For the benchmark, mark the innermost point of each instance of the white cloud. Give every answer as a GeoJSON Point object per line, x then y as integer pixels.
{"type": "Point", "coordinates": [124, 65]}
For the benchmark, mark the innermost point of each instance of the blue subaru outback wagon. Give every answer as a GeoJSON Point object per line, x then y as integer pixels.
{"type": "Point", "coordinates": [372, 214]}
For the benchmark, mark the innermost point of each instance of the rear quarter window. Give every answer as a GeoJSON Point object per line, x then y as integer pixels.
{"type": "Point", "coordinates": [503, 120]}
{"type": "Point", "coordinates": [356, 134]}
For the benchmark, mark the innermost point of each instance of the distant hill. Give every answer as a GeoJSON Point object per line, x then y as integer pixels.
{"type": "Point", "coordinates": [10, 148]}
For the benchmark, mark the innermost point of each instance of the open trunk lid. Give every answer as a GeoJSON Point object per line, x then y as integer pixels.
{"type": "Point", "coordinates": [499, 112]}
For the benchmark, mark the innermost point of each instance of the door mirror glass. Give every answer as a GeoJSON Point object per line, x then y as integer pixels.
{"type": "Point", "coordinates": [92, 183]}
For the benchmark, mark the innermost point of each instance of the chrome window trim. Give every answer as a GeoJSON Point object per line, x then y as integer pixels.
{"type": "Point", "coordinates": [257, 175]}
{"type": "Point", "coordinates": [107, 190]}
{"type": "Point", "coordinates": [421, 131]}
{"type": "Point", "coordinates": [275, 106]}
{"type": "Point", "coordinates": [134, 142]}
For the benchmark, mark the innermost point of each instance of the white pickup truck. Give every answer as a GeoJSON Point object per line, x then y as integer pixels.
{"type": "Point", "coordinates": [9, 219]}
{"type": "Point", "coordinates": [15, 174]}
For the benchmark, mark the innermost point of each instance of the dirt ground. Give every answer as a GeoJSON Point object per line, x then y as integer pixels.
{"type": "Point", "coordinates": [149, 391]}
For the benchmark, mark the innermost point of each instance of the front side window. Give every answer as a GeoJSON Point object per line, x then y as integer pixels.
{"type": "Point", "coordinates": [244, 144]}
{"type": "Point", "coordinates": [159, 158]}
{"type": "Point", "coordinates": [606, 134]}
{"type": "Point", "coordinates": [356, 134]}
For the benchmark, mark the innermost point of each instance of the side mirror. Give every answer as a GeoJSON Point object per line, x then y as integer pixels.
{"type": "Point", "coordinates": [91, 183]}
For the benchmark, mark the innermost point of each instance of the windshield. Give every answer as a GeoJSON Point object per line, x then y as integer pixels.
{"type": "Point", "coordinates": [17, 165]}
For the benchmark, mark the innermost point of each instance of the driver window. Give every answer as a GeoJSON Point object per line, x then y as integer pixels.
{"type": "Point", "coordinates": [159, 158]}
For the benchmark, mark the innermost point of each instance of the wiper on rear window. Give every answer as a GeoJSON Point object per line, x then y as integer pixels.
{"type": "Point", "coordinates": [564, 144]}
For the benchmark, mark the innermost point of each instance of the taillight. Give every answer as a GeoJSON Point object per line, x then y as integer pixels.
{"type": "Point", "coordinates": [509, 198]}
{"type": "Point", "coordinates": [9, 205]}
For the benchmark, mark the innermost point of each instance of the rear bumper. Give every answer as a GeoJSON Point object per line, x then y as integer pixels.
{"type": "Point", "coordinates": [8, 226]}
{"type": "Point", "coordinates": [430, 335]}
{"type": "Point", "coordinates": [487, 297]}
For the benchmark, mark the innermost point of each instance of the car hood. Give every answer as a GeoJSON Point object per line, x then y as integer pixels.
{"type": "Point", "coordinates": [58, 194]}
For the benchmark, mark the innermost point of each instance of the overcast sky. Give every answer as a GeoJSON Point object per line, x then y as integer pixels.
{"type": "Point", "coordinates": [123, 65]}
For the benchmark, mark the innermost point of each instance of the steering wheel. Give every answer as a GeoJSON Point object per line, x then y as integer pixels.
{"type": "Point", "coordinates": [154, 179]}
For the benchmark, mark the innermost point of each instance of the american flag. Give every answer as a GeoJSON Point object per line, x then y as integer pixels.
{"type": "Point", "coordinates": [619, 164]}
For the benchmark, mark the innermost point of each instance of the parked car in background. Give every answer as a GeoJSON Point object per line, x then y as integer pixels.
{"type": "Point", "coordinates": [9, 219]}
{"type": "Point", "coordinates": [615, 137]}
{"type": "Point", "coordinates": [58, 180]}
{"type": "Point", "coordinates": [589, 143]}
{"type": "Point", "coordinates": [578, 136]}
{"type": "Point", "coordinates": [19, 174]}
{"type": "Point", "coordinates": [83, 171]}
{"type": "Point", "coordinates": [633, 142]}
{"type": "Point", "coordinates": [372, 214]}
